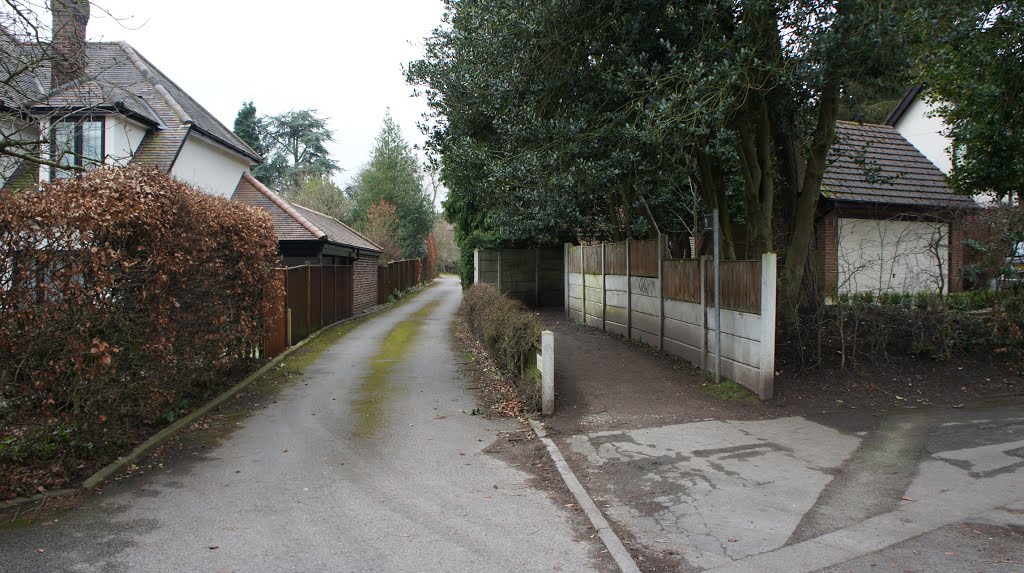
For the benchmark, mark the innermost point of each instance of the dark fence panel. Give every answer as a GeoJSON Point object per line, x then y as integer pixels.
{"type": "Point", "coordinates": [398, 276]}
{"type": "Point", "coordinates": [643, 258]}
{"type": "Point", "coordinates": [592, 260]}
{"type": "Point", "coordinates": [575, 262]}
{"type": "Point", "coordinates": [615, 259]}
{"type": "Point", "coordinates": [316, 297]}
{"type": "Point", "coordinates": [277, 333]}
{"type": "Point", "coordinates": [741, 286]}
{"type": "Point", "coordinates": [682, 279]}
{"type": "Point", "coordinates": [297, 295]}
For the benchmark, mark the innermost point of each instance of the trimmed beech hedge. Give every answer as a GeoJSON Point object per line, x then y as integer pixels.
{"type": "Point", "coordinates": [124, 296]}
{"type": "Point", "coordinates": [506, 328]}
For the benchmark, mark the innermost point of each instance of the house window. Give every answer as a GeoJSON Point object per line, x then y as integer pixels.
{"type": "Point", "coordinates": [76, 144]}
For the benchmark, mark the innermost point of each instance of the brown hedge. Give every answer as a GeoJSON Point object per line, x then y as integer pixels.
{"type": "Point", "coordinates": [503, 325]}
{"type": "Point", "coordinates": [125, 295]}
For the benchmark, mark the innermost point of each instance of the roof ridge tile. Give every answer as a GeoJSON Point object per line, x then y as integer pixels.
{"type": "Point", "coordinates": [284, 206]}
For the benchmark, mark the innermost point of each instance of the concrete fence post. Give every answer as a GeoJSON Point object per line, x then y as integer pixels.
{"type": "Point", "coordinates": [629, 295]}
{"type": "Point", "coordinates": [500, 271]}
{"type": "Point", "coordinates": [604, 290]}
{"type": "Point", "coordinates": [661, 292]}
{"type": "Point", "coordinates": [546, 364]}
{"type": "Point", "coordinates": [583, 287]}
{"type": "Point", "coordinates": [704, 261]}
{"type": "Point", "coordinates": [768, 284]}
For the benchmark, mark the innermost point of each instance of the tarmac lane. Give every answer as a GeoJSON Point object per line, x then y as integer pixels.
{"type": "Point", "coordinates": [372, 463]}
{"type": "Point", "coordinates": [931, 490]}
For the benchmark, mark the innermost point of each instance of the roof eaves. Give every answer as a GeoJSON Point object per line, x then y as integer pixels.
{"type": "Point", "coordinates": [284, 206]}
{"type": "Point", "coordinates": [904, 105]}
{"type": "Point", "coordinates": [254, 156]}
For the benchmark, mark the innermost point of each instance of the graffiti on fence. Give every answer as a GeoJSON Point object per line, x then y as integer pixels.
{"type": "Point", "coordinates": [647, 287]}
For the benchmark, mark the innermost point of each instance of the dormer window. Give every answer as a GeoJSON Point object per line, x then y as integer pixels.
{"type": "Point", "coordinates": [77, 143]}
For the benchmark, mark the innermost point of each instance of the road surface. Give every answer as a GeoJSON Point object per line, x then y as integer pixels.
{"type": "Point", "coordinates": [370, 463]}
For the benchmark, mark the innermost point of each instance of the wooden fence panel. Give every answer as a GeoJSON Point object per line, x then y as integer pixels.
{"type": "Point", "coordinates": [682, 279]}
{"type": "Point", "coordinates": [741, 286]}
{"type": "Point", "coordinates": [329, 296]}
{"type": "Point", "coordinates": [383, 284]}
{"type": "Point", "coordinates": [592, 260]}
{"type": "Point", "coordinates": [643, 258]}
{"type": "Point", "coordinates": [575, 264]}
{"type": "Point", "coordinates": [615, 259]}
{"type": "Point", "coordinates": [297, 289]}
{"type": "Point", "coordinates": [276, 339]}
{"type": "Point", "coordinates": [316, 299]}
{"type": "Point", "coordinates": [345, 295]}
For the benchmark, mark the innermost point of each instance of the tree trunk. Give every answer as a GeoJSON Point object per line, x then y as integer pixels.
{"type": "Point", "coordinates": [755, 150]}
{"type": "Point", "coordinates": [806, 206]}
{"type": "Point", "coordinates": [712, 191]}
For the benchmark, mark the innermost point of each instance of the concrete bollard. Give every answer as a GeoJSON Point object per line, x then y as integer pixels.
{"type": "Point", "coordinates": [547, 372]}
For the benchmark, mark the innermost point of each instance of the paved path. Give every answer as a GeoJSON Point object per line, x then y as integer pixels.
{"type": "Point", "coordinates": [696, 485]}
{"type": "Point", "coordinates": [371, 465]}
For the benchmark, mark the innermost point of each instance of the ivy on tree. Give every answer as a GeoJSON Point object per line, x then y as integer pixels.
{"type": "Point", "coordinates": [557, 120]}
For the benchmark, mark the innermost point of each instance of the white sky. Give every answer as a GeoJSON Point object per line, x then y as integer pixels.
{"type": "Point", "coordinates": [343, 59]}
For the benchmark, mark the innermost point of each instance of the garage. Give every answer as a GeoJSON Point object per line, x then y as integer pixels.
{"type": "Point", "coordinates": [892, 255]}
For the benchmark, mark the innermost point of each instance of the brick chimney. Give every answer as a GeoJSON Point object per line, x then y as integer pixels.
{"type": "Point", "coordinates": [68, 57]}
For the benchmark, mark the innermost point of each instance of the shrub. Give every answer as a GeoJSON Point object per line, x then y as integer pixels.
{"type": "Point", "coordinates": [125, 294]}
{"type": "Point", "coordinates": [506, 329]}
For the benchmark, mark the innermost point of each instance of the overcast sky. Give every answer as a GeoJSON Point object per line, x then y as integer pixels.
{"type": "Point", "coordinates": [342, 58]}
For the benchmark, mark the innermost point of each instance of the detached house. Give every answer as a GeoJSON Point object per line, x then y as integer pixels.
{"type": "Point", "coordinates": [104, 103]}
{"type": "Point", "coordinates": [94, 103]}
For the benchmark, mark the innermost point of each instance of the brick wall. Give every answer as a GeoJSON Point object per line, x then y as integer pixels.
{"type": "Point", "coordinates": [364, 277]}
{"type": "Point", "coordinates": [826, 252]}
{"type": "Point", "coordinates": [956, 255]}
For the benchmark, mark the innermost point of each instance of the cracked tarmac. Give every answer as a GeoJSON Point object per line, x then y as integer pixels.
{"type": "Point", "coordinates": [790, 494]}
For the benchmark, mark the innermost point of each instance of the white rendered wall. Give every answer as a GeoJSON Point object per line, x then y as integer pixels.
{"type": "Point", "coordinates": [209, 166]}
{"type": "Point", "coordinates": [926, 132]}
{"type": "Point", "coordinates": [121, 138]}
{"type": "Point", "coordinates": [901, 256]}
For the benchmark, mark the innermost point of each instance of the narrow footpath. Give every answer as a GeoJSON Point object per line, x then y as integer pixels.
{"type": "Point", "coordinates": [372, 462]}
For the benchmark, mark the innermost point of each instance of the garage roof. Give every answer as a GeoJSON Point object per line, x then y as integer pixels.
{"type": "Point", "coordinates": [875, 164]}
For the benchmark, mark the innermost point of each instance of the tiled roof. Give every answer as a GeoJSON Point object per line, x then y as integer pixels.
{"type": "Point", "coordinates": [875, 164]}
{"type": "Point", "coordinates": [335, 230]}
{"type": "Point", "coordinates": [160, 148]}
{"type": "Point", "coordinates": [297, 223]}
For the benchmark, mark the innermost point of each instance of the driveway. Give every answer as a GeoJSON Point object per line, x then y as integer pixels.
{"type": "Point", "coordinates": [371, 463]}
{"type": "Point", "coordinates": [695, 483]}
